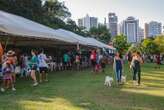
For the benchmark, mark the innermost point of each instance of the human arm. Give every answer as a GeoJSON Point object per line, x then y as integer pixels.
{"type": "Point", "coordinates": [131, 63]}
{"type": "Point", "coordinates": [114, 63]}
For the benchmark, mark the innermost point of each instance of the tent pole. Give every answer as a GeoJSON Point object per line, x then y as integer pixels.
{"type": "Point", "coordinates": [6, 43]}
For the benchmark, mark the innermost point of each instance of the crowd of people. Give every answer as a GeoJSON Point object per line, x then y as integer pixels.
{"type": "Point", "coordinates": [25, 65]}
{"type": "Point", "coordinates": [13, 64]}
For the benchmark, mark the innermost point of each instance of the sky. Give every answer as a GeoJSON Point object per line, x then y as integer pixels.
{"type": "Point", "coordinates": [144, 10]}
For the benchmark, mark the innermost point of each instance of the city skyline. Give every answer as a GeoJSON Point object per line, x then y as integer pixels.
{"type": "Point", "coordinates": [144, 10]}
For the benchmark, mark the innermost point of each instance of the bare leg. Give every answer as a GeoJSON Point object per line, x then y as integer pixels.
{"type": "Point", "coordinates": [33, 76]}
{"type": "Point", "coordinates": [46, 76]}
{"type": "Point", "coordinates": [4, 86]}
{"type": "Point", "coordinates": [41, 77]}
{"type": "Point", "coordinates": [14, 77]}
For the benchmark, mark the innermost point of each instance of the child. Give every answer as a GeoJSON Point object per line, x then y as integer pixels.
{"type": "Point", "coordinates": [11, 56]}
{"type": "Point", "coordinates": [7, 76]}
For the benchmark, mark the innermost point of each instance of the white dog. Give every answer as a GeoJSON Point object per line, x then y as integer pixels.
{"type": "Point", "coordinates": [123, 79]}
{"type": "Point", "coordinates": [108, 81]}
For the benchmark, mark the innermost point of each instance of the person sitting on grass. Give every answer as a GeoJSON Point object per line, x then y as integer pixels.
{"type": "Point", "coordinates": [7, 76]}
{"type": "Point", "coordinates": [43, 66]}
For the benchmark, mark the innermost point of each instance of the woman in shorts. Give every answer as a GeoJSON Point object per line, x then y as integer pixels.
{"type": "Point", "coordinates": [33, 67]}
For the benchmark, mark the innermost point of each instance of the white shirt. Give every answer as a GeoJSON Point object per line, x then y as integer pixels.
{"type": "Point", "coordinates": [42, 60]}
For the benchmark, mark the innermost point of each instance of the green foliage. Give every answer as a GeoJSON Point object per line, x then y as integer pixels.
{"type": "Point", "coordinates": [56, 9]}
{"type": "Point", "coordinates": [121, 44]}
{"type": "Point", "coordinates": [136, 48]}
{"type": "Point", "coordinates": [71, 25]}
{"type": "Point", "coordinates": [31, 9]}
{"type": "Point", "coordinates": [153, 45]}
{"type": "Point", "coordinates": [51, 13]}
{"type": "Point", "coordinates": [101, 33]}
{"type": "Point", "coordinates": [159, 40]}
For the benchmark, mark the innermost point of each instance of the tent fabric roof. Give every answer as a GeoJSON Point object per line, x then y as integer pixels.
{"type": "Point", "coordinates": [19, 26]}
{"type": "Point", "coordinates": [82, 40]}
{"type": "Point", "coordinates": [69, 34]}
{"type": "Point", "coordinates": [94, 42]}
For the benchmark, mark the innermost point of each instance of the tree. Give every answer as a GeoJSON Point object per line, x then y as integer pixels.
{"type": "Point", "coordinates": [136, 48]}
{"type": "Point", "coordinates": [159, 40]}
{"type": "Point", "coordinates": [121, 44]}
{"type": "Point", "coordinates": [71, 25]}
{"type": "Point", "coordinates": [55, 9]}
{"type": "Point", "coordinates": [51, 13]}
{"type": "Point", "coordinates": [101, 33]}
{"type": "Point", "coordinates": [31, 9]}
{"type": "Point", "coordinates": [55, 13]}
{"type": "Point", "coordinates": [150, 47]}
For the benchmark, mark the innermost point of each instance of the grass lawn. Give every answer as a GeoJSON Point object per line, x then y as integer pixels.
{"type": "Point", "coordinates": [85, 91]}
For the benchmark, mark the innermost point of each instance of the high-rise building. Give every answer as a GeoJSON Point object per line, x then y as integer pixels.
{"type": "Point", "coordinates": [130, 28]}
{"type": "Point", "coordinates": [121, 28]}
{"type": "Point", "coordinates": [113, 20]}
{"type": "Point", "coordinates": [140, 34]}
{"type": "Point", "coordinates": [80, 22]}
{"type": "Point", "coordinates": [153, 29]}
{"type": "Point", "coordinates": [88, 22]}
{"type": "Point", "coordinates": [146, 29]}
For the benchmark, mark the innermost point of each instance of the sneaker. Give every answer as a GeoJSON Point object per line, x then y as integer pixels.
{"type": "Point", "coordinates": [35, 84]}
{"type": "Point", "coordinates": [2, 90]}
{"type": "Point", "coordinates": [13, 89]}
{"type": "Point", "coordinates": [138, 84]}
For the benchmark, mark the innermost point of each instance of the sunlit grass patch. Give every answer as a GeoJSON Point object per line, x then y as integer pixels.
{"type": "Point", "coordinates": [49, 104]}
{"type": "Point", "coordinates": [83, 90]}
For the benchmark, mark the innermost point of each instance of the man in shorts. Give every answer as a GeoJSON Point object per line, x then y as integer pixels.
{"type": "Point", "coordinates": [43, 66]}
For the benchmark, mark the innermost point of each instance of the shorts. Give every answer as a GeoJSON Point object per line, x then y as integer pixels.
{"type": "Point", "coordinates": [43, 69]}
{"type": "Point", "coordinates": [13, 68]}
{"type": "Point", "coordinates": [1, 71]}
{"type": "Point", "coordinates": [7, 76]}
{"type": "Point", "coordinates": [77, 62]}
{"type": "Point", "coordinates": [93, 63]}
{"type": "Point", "coordinates": [65, 63]}
{"type": "Point", "coordinates": [34, 67]}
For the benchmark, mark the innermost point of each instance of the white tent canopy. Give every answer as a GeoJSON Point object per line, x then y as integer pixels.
{"type": "Point", "coordinates": [94, 42]}
{"type": "Point", "coordinates": [20, 26]}
{"type": "Point", "coordinates": [79, 39]}
{"type": "Point", "coordinates": [82, 40]}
